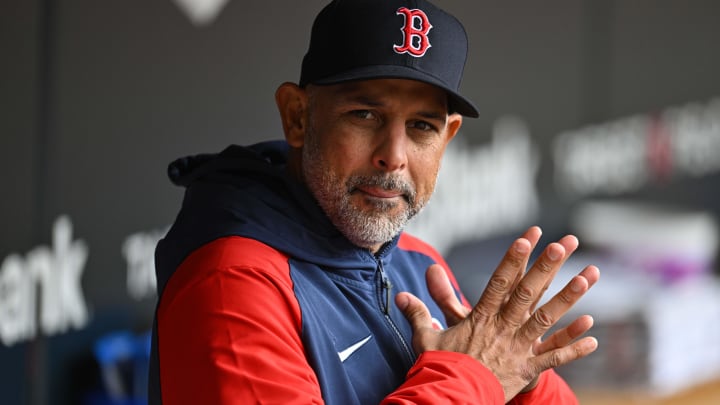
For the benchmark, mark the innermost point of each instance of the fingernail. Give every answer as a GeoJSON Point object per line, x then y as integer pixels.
{"type": "Point", "coordinates": [522, 246]}
{"type": "Point", "coordinates": [590, 344]}
{"type": "Point", "coordinates": [402, 302]}
{"type": "Point", "coordinates": [575, 285]}
{"type": "Point", "coordinates": [555, 251]}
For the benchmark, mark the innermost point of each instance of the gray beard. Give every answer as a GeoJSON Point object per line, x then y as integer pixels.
{"type": "Point", "coordinates": [363, 228]}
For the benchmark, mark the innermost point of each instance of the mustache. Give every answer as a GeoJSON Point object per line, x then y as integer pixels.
{"type": "Point", "coordinates": [387, 182]}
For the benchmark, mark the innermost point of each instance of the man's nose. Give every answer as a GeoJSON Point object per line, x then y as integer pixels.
{"type": "Point", "coordinates": [391, 152]}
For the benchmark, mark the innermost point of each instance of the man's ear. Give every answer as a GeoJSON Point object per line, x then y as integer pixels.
{"type": "Point", "coordinates": [292, 103]}
{"type": "Point", "coordinates": [453, 125]}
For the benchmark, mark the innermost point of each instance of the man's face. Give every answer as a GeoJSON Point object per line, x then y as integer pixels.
{"type": "Point", "coordinates": [372, 152]}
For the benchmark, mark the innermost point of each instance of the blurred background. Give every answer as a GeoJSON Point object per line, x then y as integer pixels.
{"type": "Point", "coordinates": [598, 117]}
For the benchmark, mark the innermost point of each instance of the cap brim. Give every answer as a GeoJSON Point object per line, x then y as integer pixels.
{"type": "Point", "coordinates": [458, 103]}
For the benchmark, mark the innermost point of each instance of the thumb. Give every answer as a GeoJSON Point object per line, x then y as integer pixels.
{"type": "Point", "coordinates": [414, 311]}
{"type": "Point", "coordinates": [420, 321]}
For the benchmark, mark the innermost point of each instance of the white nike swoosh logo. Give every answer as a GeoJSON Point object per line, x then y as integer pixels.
{"type": "Point", "coordinates": [352, 349]}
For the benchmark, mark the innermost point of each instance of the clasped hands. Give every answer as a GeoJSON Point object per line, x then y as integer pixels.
{"type": "Point", "coordinates": [504, 329]}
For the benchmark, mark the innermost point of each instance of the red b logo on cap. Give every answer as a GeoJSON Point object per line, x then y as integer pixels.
{"type": "Point", "coordinates": [415, 30]}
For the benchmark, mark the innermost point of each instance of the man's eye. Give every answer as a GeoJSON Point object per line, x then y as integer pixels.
{"type": "Point", "coordinates": [363, 114]}
{"type": "Point", "coordinates": [423, 126]}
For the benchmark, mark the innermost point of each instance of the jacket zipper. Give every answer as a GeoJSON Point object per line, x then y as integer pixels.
{"type": "Point", "coordinates": [386, 295]}
{"type": "Point", "coordinates": [386, 286]}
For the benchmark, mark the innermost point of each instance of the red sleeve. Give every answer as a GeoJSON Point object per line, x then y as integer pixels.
{"type": "Point", "coordinates": [230, 333]}
{"type": "Point", "coordinates": [551, 389]}
{"type": "Point", "coordinates": [440, 377]}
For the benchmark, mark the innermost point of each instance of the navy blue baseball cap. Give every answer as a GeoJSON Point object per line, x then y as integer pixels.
{"type": "Point", "coordinates": [382, 39]}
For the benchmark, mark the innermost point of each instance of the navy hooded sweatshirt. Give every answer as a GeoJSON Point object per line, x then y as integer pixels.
{"type": "Point", "coordinates": [263, 300]}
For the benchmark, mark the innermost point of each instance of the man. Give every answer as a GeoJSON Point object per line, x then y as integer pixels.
{"type": "Point", "coordinates": [286, 277]}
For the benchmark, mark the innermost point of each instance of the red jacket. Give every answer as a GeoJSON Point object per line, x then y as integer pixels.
{"type": "Point", "coordinates": [235, 337]}
{"type": "Point", "coordinates": [263, 301]}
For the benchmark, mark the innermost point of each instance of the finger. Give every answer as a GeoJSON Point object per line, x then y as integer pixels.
{"type": "Point", "coordinates": [418, 315]}
{"type": "Point", "coordinates": [566, 335]}
{"type": "Point", "coordinates": [578, 327]}
{"type": "Point", "coordinates": [443, 294]}
{"type": "Point", "coordinates": [532, 285]}
{"type": "Point", "coordinates": [564, 355]}
{"type": "Point", "coordinates": [547, 315]}
{"type": "Point", "coordinates": [515, 261]}
{"type": "Point", "coordinates": [591, 274]}
{"type": "Point", "coordinates": [503, 279]}
{"type": "Point", "coordinates": [570, 243]}
{"type": "Point", "coordinates": [533, 235]}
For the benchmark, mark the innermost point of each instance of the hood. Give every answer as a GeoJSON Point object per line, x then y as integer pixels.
{"type": "Point", "coordinates": [245, 191]}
